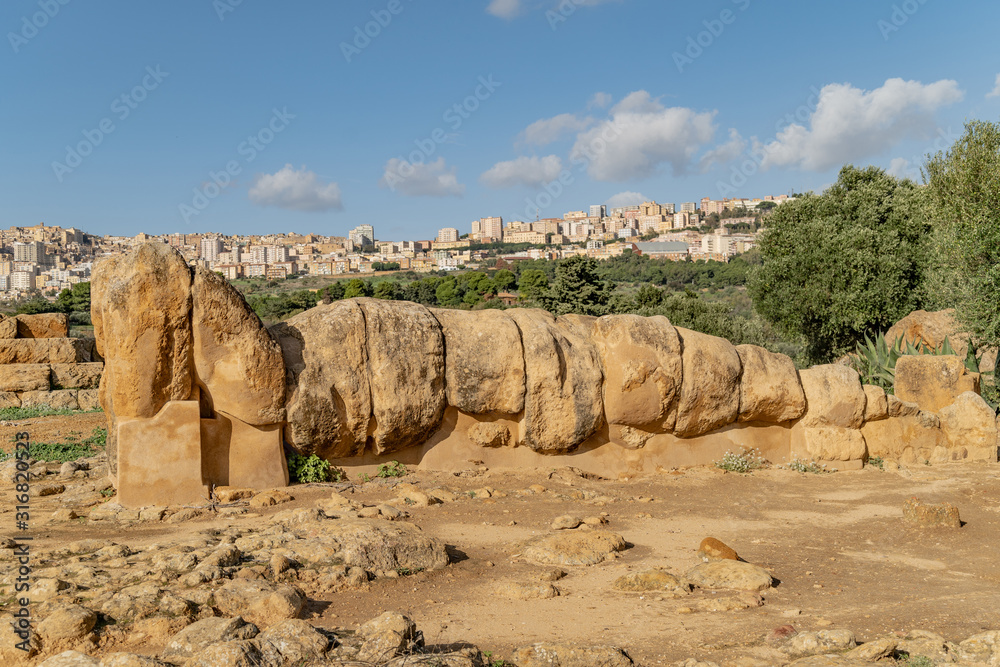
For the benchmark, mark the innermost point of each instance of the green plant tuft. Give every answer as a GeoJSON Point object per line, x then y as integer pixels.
{"type": "Point", "coordinates": [746, 461]}
{"type": "Point", "coordinates": [391, 469]}
{"type": "Point", "coordinates": [877, 462]}
{"type": "Point", "coordinates": [799, 465]}
{"type": "Point", "coordinates": [308, 469]}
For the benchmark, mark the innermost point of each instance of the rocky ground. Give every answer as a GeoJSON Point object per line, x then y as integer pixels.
{"type": "Point", "coordinates": [539, 567]}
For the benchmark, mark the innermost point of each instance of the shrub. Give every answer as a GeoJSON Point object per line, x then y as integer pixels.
{"type": "Point", "coordinates": [306, 469]}
{"type": "Point", "coordinates": [799, 465]}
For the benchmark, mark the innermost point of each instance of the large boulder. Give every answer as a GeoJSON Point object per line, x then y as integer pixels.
{"type": "Point", "coordinates": [238, 363]}
{"type": "Point", "coordinates": [876, 403]}
{"type": "Point", "coordinates": [141, 309]}
{"type": "Point", "coordinates": [641, 357]}
{"type": "Point", "coordinates": [562, 403]}
{"type": "Point", "coordinates": [930, 329]}
{"type": "Point", "coordinates": [833, 443]}
{"type": "Point", "coordinates": [932, 382]}
{"type": "Point", "coordinates": [329, 403]}
{"type": "Point", "coordinates": [710, 392]}
{"type": "Point", "coordinates": [770, 390]}
{"type": "Point", "coordinates": [970, 424]}
{"type": "Point", "coordinates": [43, 325]}
{"type": "Point", "coordinates": [406, 373]}
{"type": "Point", "coordinates": [834, 396]}
{"type": "Point", "coordinates": [484, 361]}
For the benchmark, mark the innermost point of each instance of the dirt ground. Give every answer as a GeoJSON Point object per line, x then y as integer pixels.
{"type": "Point", "coordinates": [837, 544]}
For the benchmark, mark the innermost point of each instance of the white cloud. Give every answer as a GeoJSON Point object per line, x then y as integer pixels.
{"type": "Point", "coordinates": [433, 179]}
{"type": "Point", "coordinates": [297, 190]}
{"type": "Point", "coordinates": [850, 124]}
{"type": "Point", "coordinates": [530, 171]}
{"type": "Point", "coordinates": [726, 152]}
{"type": "Point", "coordinates": [627, 199]}
{"type": "Point", "coordinates": [900, 168]}
{"type": "Point", "coordinates": [545, 131]}
{"type": "Point", "coordinates": [599, 101]}
{"type": "Point", "coordinates": [505, 9]}
{"type": "Point", "coordinates": [996, 88]}
{"type": "Point", "coordinates": [640, 136]}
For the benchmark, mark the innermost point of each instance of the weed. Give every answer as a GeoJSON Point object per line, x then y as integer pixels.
{"type": "Point", "coordinates": [61, 452]}
{"type": "Point", "coordinates": [746, 461]}
{"type": "Point", "coordinates": [472, 494]}
{"type": "Point", "coordinates": [17, 414]}
{"type": "Point", "coordinates": [406, 571]}
{"type": "Point", "coordinates": [409, 501]}
{"type": "Point", "coordinates": [919, 661]}
{"type": "Point", "coordinates": [364, 477]}
{"type": "Point", "coordinates": [490, 662]}
{"type": "Point", "coordinates": [306, 469]}
{"type": "Point", "coordinates": [876, 461]}
{"type": "Point", "coordinates": [391, 469]}
{"type": "Point", "coordinates": [798, 465]}
{"type": "Point", "coordinates": [107, 493]}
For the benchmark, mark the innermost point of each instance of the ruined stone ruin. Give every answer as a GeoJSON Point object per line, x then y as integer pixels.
{"type": "Point", "coordinates": [199, 393]}
{"type": "Point", "coordinates": [40, 365]}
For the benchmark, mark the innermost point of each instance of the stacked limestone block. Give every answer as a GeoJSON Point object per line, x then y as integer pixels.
{"type": "Point", "coordinates": [41, 365]}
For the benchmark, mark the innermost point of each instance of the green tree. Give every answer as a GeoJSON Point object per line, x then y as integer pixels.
{"type": "Point", "coordinates": [533, 284]}
{"type": "Point", "coordinates": [447, 292]}
{"type": "Point", "coordinates": [964, 188]}
{"type": "Point", "coordinates": [504, 280]}
{"type": "Point", "coordinates": [648, 296]}
{"type": "Point", "coordinates": [577, 288]}
{"type": "Point", "coordinates": [357, 288]}
{"type": "Point", "coordinates": [845, 263]}
{"type": "Point", "coordinates": [387, 289]}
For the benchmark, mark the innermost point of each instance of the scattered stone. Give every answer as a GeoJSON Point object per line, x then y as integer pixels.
{"type": "Point", "coordinates": [712, 549]}
{"type": "Point", "coordinates": [521, 591]}
{"type": "Point", "coordinates": [64, 515]}
{"type": "Point", "coordinates": [781, 633]}
{"type": "Point", "coordinates": [489, 435]}
{"type": "Point", "coordinates": [565, 655]}
{"type": "Point", "coordinates": [67, 623]}
{"type": "Point", "coordinates": [259, 601]}
{"type": "Point", "coordinates": [233, 653]}
{"type": "Point", "coordinates": [414, 496]}
{"type": "Point", "coordinates": [200, 634]}
{"type": "Point", "coordinates": [651, 580]}
{"type": "Point", "coordinates": [823, 641]}
{"type": "Point", "coordinates": [386, 637]}
{"type": "Point", "coordinates": [295, 641]}
{"type": "Point", "coordinates": [230, 494]}
{"type": "Point", "coordinates": [71, 659]}
{"type": "Point", "coordinates": [50, 489]}
{"type": "Point", "coordinates": [270, 498]}
{"type": "Point", "coordinates": [875, 650]}
{"type": "Point", "coordinates": [574, 548]}
{"type": "Point", "coordinates": [566, 522]}
{"type": "Point", "coordinates": [923, 514]}
{"type": "Point", "coordinates": [730, 574]}
{"type": "Point", "coordinates": [553, 574]}
{"type": "Point", "coordinates": [928, 644]}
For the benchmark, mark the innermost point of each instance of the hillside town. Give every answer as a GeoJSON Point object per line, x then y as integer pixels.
{"type": "Point", "coordinates": [48, 259]}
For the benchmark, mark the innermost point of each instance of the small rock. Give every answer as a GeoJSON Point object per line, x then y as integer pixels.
{"type": "Point", "coordinates": [296, 642]}
{"type": "Point", "coordinates": [270, 498]}
{"type": "Point", "coordinates": [67, 623]}
{"type": "Point", "coordinates": [554, 574]}
{"type": "Point", "coordinates": [875, 650]}
{"type": "Point", "coordinates": [566, 522]}
{"type": "Point", "coordinates": [230, 494]}
{"type": "Point", "coordinates": [201, 634]}
{"type": "Point", "coordinates": [816, 643]}
{"type": "Point", "coordinates": [519, 591]}
{"type": "Point", "coordinates": [549, 655]}
{"type": "Point", "coordinates": [712, 549]}
{"type": "Point", "coordinates": [574, 548]}
{"type": "Point", "coordinates": [651, 580]}
{"type": "Point", "coordinates": [64, 515]}
{"type": "Point", "coordinates": [386, 637]}
{"type": "Point", "coordinates": [50, 489]}
{"type": "Point", "coordinates": [152, 514]}
{"type": "Point", "coordinates": [780, 634]}
{"type": "Point", "coordinates": [730, 574]}
{"type": "Point", "coordinates": [923, 514]}
{"type": "Point", "coordinates": [71, 659]}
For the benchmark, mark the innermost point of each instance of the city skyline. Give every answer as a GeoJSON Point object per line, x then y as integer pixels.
{"type": "Point", "coordinates": [145, 133]}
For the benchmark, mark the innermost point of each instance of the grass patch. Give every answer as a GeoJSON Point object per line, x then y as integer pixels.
{"type": "Point", "coordinates": [877, 461]}
{"type": "Point", "coordinates": [62, 452]}
{"type": "Point", "coordinates": [17, 414]}
{"type": "Point", "coordinates": [799, 465]}
{"type": "Point", "coordinates": [391, 469]}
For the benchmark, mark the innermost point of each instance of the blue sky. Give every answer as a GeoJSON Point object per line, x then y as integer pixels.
{"type": "Point", "coordinates": [247, 116]}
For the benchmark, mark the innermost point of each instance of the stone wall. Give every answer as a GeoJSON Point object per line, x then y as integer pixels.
{"type": "Point", "coordinates": [41, 365]}
{"type": "Point", "coordinates": [198, 393]}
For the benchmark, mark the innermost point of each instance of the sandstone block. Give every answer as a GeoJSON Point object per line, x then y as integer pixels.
{"type": "Point", "coordinates": [833, 443]}
{"type": "Point", "coordinates": [488, 434]}
{"type": "Point", "coordinates": [641, 359]}
{"type": "Point", "coordinates": [406, 366]}
{"type": "Point", "coordinates": [770, 390]}
{"type": "Point", "coordinates": [484, 361]}
{"type": "Point", "coordinates": [712, 549]}
{"type": "Point", "coordinates": [64, 399]}
{"type": "Point", "coordinates": [89, 399]}
{"type": "Point", "coordinates": [325, 351]}
{"type": "Point", "coordinates": [8, 327]}
{"type": "Point", "coordinates": [43, 351]}
{"type": "Point", "coordinates": [25, 377]}
{"type": "Point", "coordinates": [563, 404]}
{"type": "Point", "coordinates": [567, 655]}
{"type": "Point", "coordinates": [876, 403]}
{"type": "Point", "coordinates": [933, 382]}
{"type": "Point", "coordinates": [77, 376]}
{"type": "Point", "coordinates": [43, 325]}
{"type": "Point", "coordinates": [710, 392]}
{"type": "Point", "coordinates": [969, 422]}
{"type": "Point", "coordinates": [918, 512]}
{"type": "Point", "coordinates": [237, 361]}
{"type": "Point", "coordinates": [834, 396]}
{"type": "Point", "coordinates": [9, 399]}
